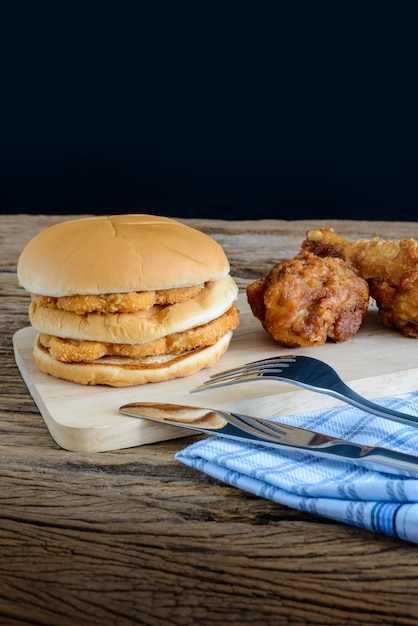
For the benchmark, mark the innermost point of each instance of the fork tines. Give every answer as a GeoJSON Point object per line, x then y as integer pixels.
{"type": "Point", "coordinates": [248, 371]}
{"type": "Point", "coordinates": [272, 363]}
{"type": "Point", "coordinates": [275, 359]}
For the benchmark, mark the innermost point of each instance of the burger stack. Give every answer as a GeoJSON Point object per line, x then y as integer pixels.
{"type": "Point", "coordinates": [127, 299]}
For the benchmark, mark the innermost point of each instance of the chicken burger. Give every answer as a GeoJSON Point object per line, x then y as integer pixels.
{"type": "Point", "coordinates": [127, 299]}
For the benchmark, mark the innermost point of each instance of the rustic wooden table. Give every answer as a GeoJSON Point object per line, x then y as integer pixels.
{"type": "Point", "coordinates": [134, 537]}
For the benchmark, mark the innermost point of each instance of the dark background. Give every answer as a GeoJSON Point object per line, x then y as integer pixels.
{"type": "Point", "coordinates": [211, 110]}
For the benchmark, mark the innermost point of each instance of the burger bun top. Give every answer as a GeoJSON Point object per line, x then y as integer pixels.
{"type": "Point", "coordinates": [119, 254]}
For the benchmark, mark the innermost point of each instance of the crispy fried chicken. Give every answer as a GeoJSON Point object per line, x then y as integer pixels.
{"type": "Point", "coordinates": [390, 268]}
{"type": "Point", "coordinates": [307, 300]}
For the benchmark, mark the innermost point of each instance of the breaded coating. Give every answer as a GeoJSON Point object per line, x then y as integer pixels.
{"type": "Point", "coordinates": [131, 302]}
{"type": "Point", "coordinates": [72, 351]}
{"type": "Point", "coordinates": [307, 300]}
{"type": "Point", "coordinates": [390, 267]}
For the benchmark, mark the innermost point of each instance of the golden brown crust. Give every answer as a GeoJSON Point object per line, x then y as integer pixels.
{"type": "Point", "coordinates": [142, 326]}
{"type": "Point", "coordinates": [70, 350]}
{"type": "Point", "coordinates": [308, 299]}
{"type": "Point", "coordinates": [117, 302]}
{"type": "Point", "coordinates": [325, 242]}
{"type": "Point", "coordinates": [124, 372]}
{"type": "Point", "coordinates": [255, 297]}
{"type": "Point", "coordinates": [390, 267]}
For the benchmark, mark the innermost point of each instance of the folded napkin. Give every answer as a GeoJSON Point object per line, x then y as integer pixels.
{"type": "Point", "coordinates": [344, 492]}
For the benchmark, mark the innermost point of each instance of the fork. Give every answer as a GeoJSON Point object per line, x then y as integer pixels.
{"type": "Point", "coordinates": [306, 372]}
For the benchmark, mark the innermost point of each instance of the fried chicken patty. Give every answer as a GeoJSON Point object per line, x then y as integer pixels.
{"type": "Point", "coordinates": [131, 302]}
{"type": "Point", "coordinates": [72, 350]}
{"type": "Point", "coordinates": [307, 300]}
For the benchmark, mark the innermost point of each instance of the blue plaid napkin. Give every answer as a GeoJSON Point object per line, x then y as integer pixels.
{"type": "Point", "coordinates": [343, 492]}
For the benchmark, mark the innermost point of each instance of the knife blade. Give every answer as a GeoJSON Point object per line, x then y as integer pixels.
{"type": "Point", "coordinates": [257, 431]}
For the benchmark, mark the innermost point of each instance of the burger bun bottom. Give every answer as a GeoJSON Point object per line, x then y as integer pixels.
{"type": "Point", "coordinates": [124, 372]}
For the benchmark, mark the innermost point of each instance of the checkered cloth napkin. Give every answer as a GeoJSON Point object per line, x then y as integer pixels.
{"type": "Point", "coordinates": [346, 493]}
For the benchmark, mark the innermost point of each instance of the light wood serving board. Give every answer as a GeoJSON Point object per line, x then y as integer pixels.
{"type": "Point", "coordinates": [377, 362]}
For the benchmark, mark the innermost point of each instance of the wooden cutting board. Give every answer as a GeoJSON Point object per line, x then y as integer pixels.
{"type": "Point", "coordinates": [377, 362]}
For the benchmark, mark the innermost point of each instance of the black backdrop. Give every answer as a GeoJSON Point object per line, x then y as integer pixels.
{"type": "Point", "coordinates": [227, 114]}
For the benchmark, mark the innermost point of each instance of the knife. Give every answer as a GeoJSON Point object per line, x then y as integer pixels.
{"type": "Point", "coordinates": [274, 434]}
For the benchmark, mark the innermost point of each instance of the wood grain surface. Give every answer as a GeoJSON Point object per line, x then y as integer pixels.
{"type": "Point", "coordinates": [134, 537]}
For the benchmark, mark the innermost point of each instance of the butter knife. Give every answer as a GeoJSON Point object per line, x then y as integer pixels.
{"type": "Point", "coordinates": [274, 434]}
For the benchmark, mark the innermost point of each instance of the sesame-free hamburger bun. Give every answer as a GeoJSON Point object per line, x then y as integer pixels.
{"type": "Point", "coordinates": [127, 299]}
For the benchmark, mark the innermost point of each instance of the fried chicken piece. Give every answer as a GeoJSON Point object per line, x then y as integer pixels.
{"type": "Point", "coordinates": [75, 351]}
{"type": "Point", "coordinates": [307, 300]}
{"type": "Point", "coordinates": [390, 267]}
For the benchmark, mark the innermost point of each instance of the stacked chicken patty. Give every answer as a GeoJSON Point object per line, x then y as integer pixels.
{"type": "Point", "coordinates": [127, 299]}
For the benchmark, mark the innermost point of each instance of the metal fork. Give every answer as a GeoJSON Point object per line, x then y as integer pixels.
{"type": "Point", "coordinates": [305, 372]}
